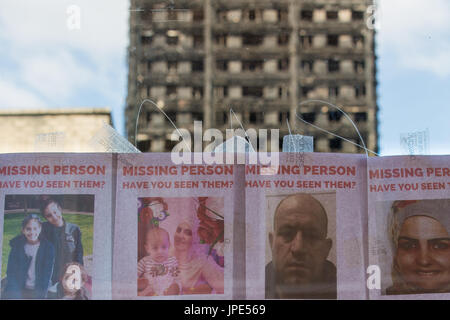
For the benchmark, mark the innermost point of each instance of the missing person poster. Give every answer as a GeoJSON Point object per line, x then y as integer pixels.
{"type": "Point", "coordinates": [307, 226]}
{"type": "Point", "coordinates": [173, 229]}
{"type": "Point", "coordinates": [55, 226]}
{"type": "Point", "coordinates": [305, 220]}
{"type": "Point", "coordinates": [409, 226]}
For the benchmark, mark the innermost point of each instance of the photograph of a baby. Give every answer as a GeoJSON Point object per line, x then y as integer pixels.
{"type": "Point", "coordinates": [158, 273]}
{"type": "Point", "coordinates": [180, 246]}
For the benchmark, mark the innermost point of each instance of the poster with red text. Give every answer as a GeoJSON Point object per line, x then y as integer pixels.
{"type": "Point", "coordinates": [409, 227]}
{"type": "Point", "coordinates": [174, 229]}
{"type": "Point", "coordinates": [305, 222]}
{"type": "Point", "coordinates": [55, 226]}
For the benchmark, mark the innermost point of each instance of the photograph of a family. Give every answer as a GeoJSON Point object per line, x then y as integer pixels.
{"type": "Point", "coordinates": [47, 247]}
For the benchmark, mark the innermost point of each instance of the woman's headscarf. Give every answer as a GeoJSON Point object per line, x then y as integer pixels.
{"type": "Point", "coordinates": [438, 209]}
{"type": "Point", "coordinates": [190, 271]}
{"type": "Point", "coordinates": [189, 217]}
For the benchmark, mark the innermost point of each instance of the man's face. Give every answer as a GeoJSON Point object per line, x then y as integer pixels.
{"type": "Point", "coordinates": [299, 244]}
{"type": "Point", "coordinates": [52, 214]}
{"type": "Point", "coordinates": [423, 254]}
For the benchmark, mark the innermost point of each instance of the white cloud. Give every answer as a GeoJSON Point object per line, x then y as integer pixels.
{"type": "Point", "coordinates": [56, 77]}
{"type": "Point", "coordinates": [12, 96]}
{"type": "Point", "coordinates": [44, 22]}
{"type": "Point", "coordinates": [57, 64]}
{"type": "Point", "coordinates": [417, 32]}
{"type": "Point", "coordinates": [437, 62]}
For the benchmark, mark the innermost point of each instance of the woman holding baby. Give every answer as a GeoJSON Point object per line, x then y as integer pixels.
{"type": "Point", "coordinates": [197, 272]}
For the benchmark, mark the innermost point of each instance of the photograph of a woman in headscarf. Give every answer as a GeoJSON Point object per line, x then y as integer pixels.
{"type": "Point", "coordinates": [419, 232]}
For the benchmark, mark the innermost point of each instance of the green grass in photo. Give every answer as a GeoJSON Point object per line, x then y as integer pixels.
{"type": "Point", "coordinates": [13, 227]}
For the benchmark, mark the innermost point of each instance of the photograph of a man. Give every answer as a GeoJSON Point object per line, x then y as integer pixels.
{"type": "Point", "coordinates": [300, 247]}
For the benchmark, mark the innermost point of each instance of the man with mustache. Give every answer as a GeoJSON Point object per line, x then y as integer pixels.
{"type": "Point", "coordinates": [299, 268]}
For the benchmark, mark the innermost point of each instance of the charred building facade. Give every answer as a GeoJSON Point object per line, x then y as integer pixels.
{"type": "Point", "coordinates": [268, 60]}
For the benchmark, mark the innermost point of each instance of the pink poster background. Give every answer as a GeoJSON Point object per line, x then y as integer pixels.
{"type": "Point", "coordinates": [181, 205]}
{"type": "Point", "coordinates": [63, 182]}
{"type": "Point", "coordinates": [350, 203]}
{"type": "Point", "coordinates": [380, 251]}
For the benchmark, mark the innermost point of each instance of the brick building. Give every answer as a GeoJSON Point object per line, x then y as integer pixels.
{"type": "Point", "coordinates": [51, 130]}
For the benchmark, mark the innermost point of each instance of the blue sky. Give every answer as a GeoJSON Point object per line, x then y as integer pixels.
{"type": "Point", "coordinates": [44, 64]}
{"type": "Point", "coordinates": [414, 72]}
